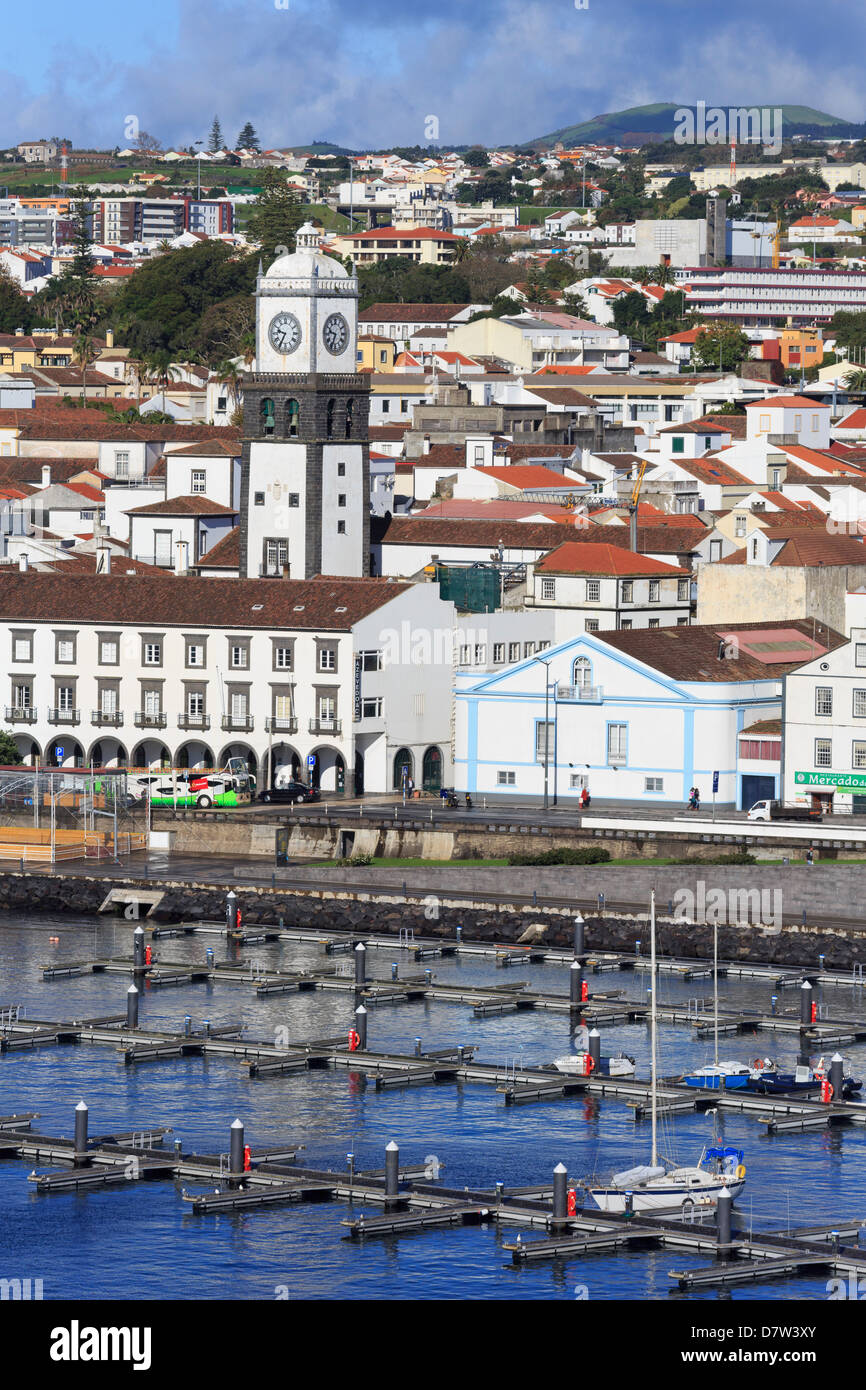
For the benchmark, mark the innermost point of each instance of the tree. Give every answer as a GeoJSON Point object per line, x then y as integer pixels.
{"type": "Point", "coordinates": [720, 347]}
{"type": "Point", "coordinates": [148, 144]}
{"type": "Point", "coordinates": [15, 310]}
{"type": "Point", "coordinates": [215, 139]}
{"type": "Point", "coordinates": [476, 159]}
{"type": "Point", "coordinates": [9, 755]}
{"type": "Point", "coordinates": [84, 352]}
{"type": "Point", "coordinates": [855, 381]}
{"type": "Point", "coordinates": [275, 217]}
{"type": "Point", "coordinates": [248, 140]}
{"type": "Point", "coordinates": [164, 303]}
{"type": "Point", "coordinates": [230, 373]}
{"type": "Point", "coordinates": [77, 289]}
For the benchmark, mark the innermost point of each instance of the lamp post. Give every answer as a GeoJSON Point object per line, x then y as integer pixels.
{"type": "Point", "coordinates": [198, 163]}
{"type": "Point", "coordinates": [546, 665]}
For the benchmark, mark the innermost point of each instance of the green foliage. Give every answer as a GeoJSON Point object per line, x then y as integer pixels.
{"type": "Point", "coordinates": [476, 159]}
{"type": "Point", "coordinates": [720, 347]}
{"type": "Point", "coordinates": [162, 306]}
{"type": "Point", "coordinates": [16, 311]}
{"type": "Point", "coordinates": [592, 855]}
{"type": "Point", "coordinates": [9, 755]}
{"type": "Point", "coordinates": [215, 139]}
{"type": "Point", "coordinates": [355, 861]}
{"type": "Point", "coordinates": [275, 217]}
{"type": "Point", "coordinates": [396, 280]}
{"type": "Point", "coordinates": [849, 328]}
{"type": "Point", "coordinates": [739, 856]}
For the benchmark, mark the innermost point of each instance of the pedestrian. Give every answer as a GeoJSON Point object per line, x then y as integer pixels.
{"type": "Point", "coordinates": [584, 799]}
{"type": "Point", "coordinates": [410, 787]}
{"type": "Point", "coordinates": [810, 857]}
{"type": "Point", "coordinates": [697, 800]}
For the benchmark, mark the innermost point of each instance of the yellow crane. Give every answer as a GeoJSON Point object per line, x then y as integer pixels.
{"type": "Point", "coordinates": [633, 504]}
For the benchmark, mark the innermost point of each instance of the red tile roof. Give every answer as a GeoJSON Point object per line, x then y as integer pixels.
{"type": "Point", "coordinates": [182, 506]}
{"type": "Point", "coordinates": [580, 557]}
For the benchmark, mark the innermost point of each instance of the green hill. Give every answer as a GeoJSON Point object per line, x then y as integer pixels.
{"type": "Point", "coordinates": [640, 125]}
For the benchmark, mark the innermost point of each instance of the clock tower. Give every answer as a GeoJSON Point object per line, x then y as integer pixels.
{"type": "Point", "coordinates": [305, 491]}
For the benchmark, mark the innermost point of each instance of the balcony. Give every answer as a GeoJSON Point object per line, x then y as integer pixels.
{"type": "Point", "coordinates": [193, 721]}
{"type": "Point", "coordinates": [145, 720]}
{"type": "Point", "coordinates": [273, 571]}
{"type": "Point", "coordinates": [64, 716]}
{"type": "Point", "coordinates": [274, 725]}
{"type": "Point", "coordinates": [106, 718]}
{"type": "Point", "coordinates": [241, 723]}
{"type": "Point", "coordinates": [583, 694]}
{"type": "Point", "coordinates": [23, 714]}
{"type": "Point", "coordinates": [326, 726]}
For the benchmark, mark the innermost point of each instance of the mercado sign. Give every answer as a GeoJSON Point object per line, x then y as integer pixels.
{"type": "Point", "coordinates": [845, 781]}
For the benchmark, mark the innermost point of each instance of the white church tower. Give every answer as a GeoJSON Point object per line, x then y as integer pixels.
{"type": "Point", "coordinates": [305, 487]}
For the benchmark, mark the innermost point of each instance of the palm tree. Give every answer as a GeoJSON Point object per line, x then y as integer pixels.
{"type": "Point", "coordinates": [229, 372]}
{"type": "Point", "coordinates": [247, 346]}
{"type": "Point", "coordinates": [84, 352]}
{"type": "Point", "coordinates": [855, 381]}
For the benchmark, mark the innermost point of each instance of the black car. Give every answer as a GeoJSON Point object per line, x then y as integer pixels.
{"type": "Point", "coordinates": [290, 791]}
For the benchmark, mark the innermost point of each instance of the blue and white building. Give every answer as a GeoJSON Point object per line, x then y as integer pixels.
{"type": "Point", "coordinates": [632, 716]}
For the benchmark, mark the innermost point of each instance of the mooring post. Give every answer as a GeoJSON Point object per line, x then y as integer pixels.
{"type": "Point", "coordinates": [575, 983]}
{"type": "Point", "coordinates": [360, 964]}
{"type": "Point", "coordinates": [417, 1047]}
{"type": "Point", "coordinates": [560, 1192]}
{"type": "Point", "coordinates": [806, 1002]}
{"type": "Point", "coordinates": [595, 1048]}
{"type": "Point", "coordinates": [231, 910]}
{"type": "Point", "coordinates": [361, 1027]}
{"type": "Point", "coordinates": [459, 933]}
{"type": "Point", "coordinates": [774, 999]}
{"type": "Point", "coordinates": [836, 1075]}
{"type": "Point", "coordinates": [138, 948]}
{"type": "Point", "coordinates": [392, 1169]}
{"type": "Point", "coordinates": [394, 971]}
{"type": "Point", "coordinates": [132, 1007]}
{"type": "Point", "coordinates": [209, 957]}
{"type": "Point", "coordinates": [81, 1117]}
{"type": "Point", "coordinates": [723, 1219]}
{"type": "Point", "coordinates": [187, 1025]}
{"type": "Point", "coordinates": [236, 1148]}
{"type": "Point", "coordinates": [579, 936]}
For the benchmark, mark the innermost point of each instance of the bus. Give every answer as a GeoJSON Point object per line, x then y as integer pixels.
{"type": "Point", "coordinates": [187, 787]}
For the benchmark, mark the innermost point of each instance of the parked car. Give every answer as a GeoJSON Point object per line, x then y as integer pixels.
{"type": "Point", "coordinates": [290, 791]}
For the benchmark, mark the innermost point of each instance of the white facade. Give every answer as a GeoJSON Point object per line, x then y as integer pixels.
{"type": "Point", "coordinates": [825, 729]}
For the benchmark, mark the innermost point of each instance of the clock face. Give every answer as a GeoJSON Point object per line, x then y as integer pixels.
{"type": "Point", "coordinates": [284, 332]}
{"type": "Point", "coordinates": [335, 334]}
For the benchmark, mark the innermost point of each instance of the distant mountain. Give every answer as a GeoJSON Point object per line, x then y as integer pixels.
{"type": "Point", "coordinates": [642, 125]}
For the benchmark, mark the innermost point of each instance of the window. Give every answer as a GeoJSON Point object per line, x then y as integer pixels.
{"type": "Point", "coordinates": [591, 625]}
{"type": "Point", "coordinates": [22, 649]}
{"type": "Point", "coordinates": [22, 695]}
{"type": "Point", "coordinates": [480, 653]}
{"type": "Point", "coordinates": [327, 658]}
{"type": "Point", "coordinates": [859, 704]}
{"type": "Point", "coordinates": [121, 463]}
{"type": "Point", "coordinates": [581, 673]}
{"type": "Point", "coordinates": [294, 499]}
{"type": "Point", "coordinates": [195, 654]}
{"type": "Point", "coordinates": [593, 590]}
{"type": "Point", "coordinates": [371, 661]}
{"type": "Point", "coordinates": [65, 650]}
{"type": "Point", "coordinates": [682, 622]}
{"type": "Point", "coordinates": [198, 480]}
{"type": "Point", "coordinates": [276, 556]}
{"type": "Point", "coordinates": [763, 424]}
{"type": "Point", "coordinates": [823, 699]}
{"type": "Point", "coordinates": [798, 423]}
{"type": "Point", "coordinates": [283, 658]}
{"type": "Point", "coordinates": [682, 590]}
{"type": "Point", "coordinates": [238, 705]}
{"type": "Point", "coordinates": [499, 652]}
{"type": "Point", "coordinates": [543, 740]}
{"type": "Point", "coordinates": [514, 651]}
{"type": "Point", "coordinates": [108, 651]}
{"type": "Point", "coordinates": [341, 528]}
{"type": "Point", "coordinates": [823, 752]}
{"type": "Point", "coordinates": [548, 588]}
{"type": "Point", "coordinates": [626, 624]}
{"type": "Point", "coordinates": [678, 444]}
{"type": "Point", "coordinates": [858, 753]}
{"type": "Point", "coordinates": [577, 781]}
{"type": "Point", "coordinates": [653, 622]}
{"type": "Point", "coordinates": [463, 659]}
{"type": "Point", "coordinates": [754, 549]}
{"type": "Point", "coordinates": [371, 709]}
{"type": "Point", "coordinates": [66, 697]}
{"type": "Point", "coordinates": [543, 646]}
{"type": "Point", "coordinates": [327, 708]}
{"type": "Point", "coordinates": [860, 653]}
{"type": "Point", "coordinates": [267, 416]}
{"type": "Point", "coordinates": [627, 590]}
{"type": "Point", "coordinates": [162, 548]}
{"type": "Point", "coordinates": [341, 499]}
{"type": "Point", "coordinates": [350, 418]}
{"type": "Point", "coordinates": [195, 702]}
{"type": "Point", "coordinates": [616, 744]}
{"type": "Point", "coordinates": [653, 784]}
{"type": "Point", "coordinates": [505, 778]}
{"type": "Point", "coordinates": [293, 419]}
{"type": "Point", "coordinates": [283, 708]}
{"type": "Point", "coordinates": [258, 499]}
{"type": "Point", "coordinates": [152, 654]}
{"type": "Point", "coordinates": [329, 419]}
{"type": "Point", "coordinates": [654, 590]}
{"type": "Point", "coordinates": [739, 525]}
{"type": "Point", "coordinates": [341, 470]}
{"type": "Point", "coordinates": [239, 658]}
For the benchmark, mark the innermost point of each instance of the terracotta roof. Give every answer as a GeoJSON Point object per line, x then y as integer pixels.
{"type": "Point", "coordinates": [226, 554]}
{"type": "Point", "coordinates": [45, 421]}
{"type": "Point", "coordinates": [528, 477]}
{"type": "Point", "coordinates": [581, 557]}
{"type": "Point", "coordinates": [563, 395]}
{"type": "Point", "coordinates": [763, 726]}
{"type": "Point", "coordinates": [787, 402]}
{"type": "Point", "coordinates": [826, 462]}
{"type": "Point", "coordinates": [321, 604]}
{"type": "Point", "coordinates": [526, 535]}
{"type": "Point", "coordinates": [691, 653]}
{"type": "Point", "coordinates": [696, 427]}
{"type": "Point", "coordinates": [23, 468]}
{"type": "Point", "coordinates": [206, 449]}
{"type": "Point", "coordinates": [182, 506]}
{"type": "Point", "coordinates": [492, 508]}
{"type": "Point", "coordinates": [711, 469]}
{"type": "Point", "coordinates": [410, 313]}
{"type": "Point", "coordinates": [855, 421]}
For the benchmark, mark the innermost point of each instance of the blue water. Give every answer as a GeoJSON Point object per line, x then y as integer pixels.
{"type": "Point", "coordinates": [142, 1241]}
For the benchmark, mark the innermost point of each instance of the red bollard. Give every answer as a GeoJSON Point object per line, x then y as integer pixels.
{"type": "Point", "coordinates": [354, 1040]}
{"type": "Point", "coordinates": [572, 1201]}
{"type": "Point", "coordinates": [584, 992]}
{"type": "Point", "coordinates": [148, 955]}
{"type": "Point", "coordinates": [826, 1092]}
{"type": "Point", "coordinates": [814, 1012]}
{"type": "Point", "coordinates": [247, 1158]}
{"type": "Point", "coordinates": [238, 920]}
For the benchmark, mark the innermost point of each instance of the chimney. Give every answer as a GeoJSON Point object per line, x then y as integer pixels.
{"type": "Point", "coordinates": [46, 475]}
{"type": "Point", "coordinates": [19, 332]}
{"type": "Point", "coordinates": [23, 564]}
{"type": "Point", "coordinates": [109, 337]}
{"type": "Point", "coordinates": [182, 557]}
{"type": "Point", "coordinates": [103, 559]}
{"type": "Point", "coordinates": [426, 445]}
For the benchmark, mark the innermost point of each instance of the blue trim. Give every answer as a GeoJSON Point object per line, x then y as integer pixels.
{"type": "Point", "coordinates": [607, 728]}
{"type": "Point", "coordinates": [472, 747]}
{"type": "Point", "coordinates": [688, 752]}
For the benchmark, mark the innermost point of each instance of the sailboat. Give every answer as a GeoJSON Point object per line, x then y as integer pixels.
{"type": "Point", "coordinates": [659, 1185]}
{"type": "Point", "coordinates": [730, 1076]}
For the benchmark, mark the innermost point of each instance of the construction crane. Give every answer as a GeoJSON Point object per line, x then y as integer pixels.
{"type": "Point", "coordinates": [633, 505]}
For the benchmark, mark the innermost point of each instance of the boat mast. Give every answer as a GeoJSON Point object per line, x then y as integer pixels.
{"type": "Point", "coordinates": [716, 991]}
{"type": "Point", "coordinates": [655, 1156]}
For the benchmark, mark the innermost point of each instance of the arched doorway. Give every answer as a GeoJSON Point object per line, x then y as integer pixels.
{"type": "Point", "coordinates": [241, 750]}
{"type": "Point", "coordinates": [285, 759]}
{"type": "Point", "coordinates": [403, 765]}
{"type": "Point", "coordinates": [64, 751]}
{"type": "Point", "coordinates": [581, 673]}
{"type": "Point", "coordinates": [359, 774]}
{"type": "Point", "coordinates": [328, 772]}
{"type": "Point", "coordinates": [431, 770]}
{"type": "Point", "coordinates": [194, 755]}
{"type": "Point", "coordinates": [107, 752]}
{"type": "Point", "coordinates": [28, 750]}
{"type": "Point", "coordinates": [151, 753]}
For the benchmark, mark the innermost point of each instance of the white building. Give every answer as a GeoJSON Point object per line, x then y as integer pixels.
{"type": "Point", "coordinates": [825, 727]}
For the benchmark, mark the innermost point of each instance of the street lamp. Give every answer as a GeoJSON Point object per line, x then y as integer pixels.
{"type": "Point", "coordinates": [198, 162]}
{"type": "Point", "coordinates": [546, 665]}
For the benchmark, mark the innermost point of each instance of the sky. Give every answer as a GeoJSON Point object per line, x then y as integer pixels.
{"type": "Point", "coordinates": [367, 74]}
